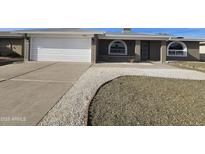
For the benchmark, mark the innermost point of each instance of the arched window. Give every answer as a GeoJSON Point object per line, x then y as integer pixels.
{"type": "Point", "coordinates": [177, 49]}
{"type": "Point", "coordinates": [117, 47]}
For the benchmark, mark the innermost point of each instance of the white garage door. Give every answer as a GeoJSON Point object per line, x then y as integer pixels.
{"type": "Point", "coordinates": [61, 49]}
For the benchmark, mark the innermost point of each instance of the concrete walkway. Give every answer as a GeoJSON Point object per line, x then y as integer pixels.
{"type": "Point", "coordinates": [72, 109]}
{"type": "Point", "coordinates": [29, 90]}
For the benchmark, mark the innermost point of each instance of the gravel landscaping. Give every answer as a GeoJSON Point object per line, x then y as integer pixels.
{"type": "Point", "coordinates": [199, 66]}
{"type": "Point", "coordinates": [72, 109]}
{"type": "Point", "coordinates": [148, 101]}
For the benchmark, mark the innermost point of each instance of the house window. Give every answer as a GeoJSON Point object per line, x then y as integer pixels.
{"type": "Point", "coordinates": [177, 49]}
{"type": "Point", "coordinates": [117, 47]}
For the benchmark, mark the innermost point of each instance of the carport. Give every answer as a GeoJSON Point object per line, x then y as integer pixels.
{"type": "Point", "coordinates": [11, 47]}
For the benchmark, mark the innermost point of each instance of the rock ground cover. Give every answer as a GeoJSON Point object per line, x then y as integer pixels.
{"type": "Point", "coordinates": [199, 66]}
{"type": "Point", "coordinates": [148, 101]}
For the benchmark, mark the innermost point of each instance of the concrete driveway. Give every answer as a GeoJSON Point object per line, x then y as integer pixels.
{"type": "Point", "coordinates": [29, 90]}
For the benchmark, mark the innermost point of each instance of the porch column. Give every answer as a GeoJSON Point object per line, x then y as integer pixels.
{"type": "Point", "coordinates": [94, 49]}
{"type": "Point", "coordinates": [137, 50]}
{"type": "Point", "coordinates": [163, 52]}
{"type": "Point", "coordinates": [26, 49]}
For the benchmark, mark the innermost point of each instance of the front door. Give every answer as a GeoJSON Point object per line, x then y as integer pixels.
{"type": "Point", "coordinates": [145, 52]}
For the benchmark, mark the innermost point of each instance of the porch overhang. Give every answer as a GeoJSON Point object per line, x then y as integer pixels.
{"type": "Point", "coordinates": [133, 37]}
{"type": "Point", "coordinates": [151, 37]}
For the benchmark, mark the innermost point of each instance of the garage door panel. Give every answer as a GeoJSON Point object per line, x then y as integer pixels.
{"type": "Point", "coordinates": [62, 43]}
{"type": "Point", "coordinates": [63, 58]}
{"type": "Point", "coordinates": [61, 49]}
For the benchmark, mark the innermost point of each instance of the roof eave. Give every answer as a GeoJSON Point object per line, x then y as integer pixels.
{"type": "Point", "coordinates": [9, 35]}
{"type": "Point", "coordinates": [134, 37]}
{"type": "Point", "coordinates": [185, 39]}
{"type": "Point", "coordinates": [57, 33]}
{"type": "Point", "coordinates": [145, 37]}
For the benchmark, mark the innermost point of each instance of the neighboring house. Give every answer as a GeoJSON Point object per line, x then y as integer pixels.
{"type": "Point", "coordinates": [77, 45]}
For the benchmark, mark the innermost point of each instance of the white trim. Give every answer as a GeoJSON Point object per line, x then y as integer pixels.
{"type": "Point", "coordinates": [125, 45]}
{"type": "Point", "coordinates": [59, 36]}
{"type": "Point", "coordinates": [184, 49]}
{"type": "Point", "coordinates": [130, 37]}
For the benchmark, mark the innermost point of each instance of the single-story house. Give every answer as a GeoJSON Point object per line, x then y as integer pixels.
{"type": "Point", "coordinates": [78, 45]}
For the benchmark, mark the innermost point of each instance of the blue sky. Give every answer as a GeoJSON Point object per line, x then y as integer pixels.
{"type": "Point", "coordinates": [186, 32]}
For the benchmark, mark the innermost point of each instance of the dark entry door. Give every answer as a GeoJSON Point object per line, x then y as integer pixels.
{"type": "Point", "coordinates": [145, 50]}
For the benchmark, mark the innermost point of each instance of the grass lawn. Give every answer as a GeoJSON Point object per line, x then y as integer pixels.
{"type": "Point", "coordinates": [199, 66]}
{"type": "Point", "coordinates": [148, 101]}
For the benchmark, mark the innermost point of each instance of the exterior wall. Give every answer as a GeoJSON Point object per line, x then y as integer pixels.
{"type": "Point", "coordinates": [26, 49]}
{"type": "Point", "coordinates": [192, 49]}
{"type": "Point", "coordinates": [103, 46]}
{"type": "Point", "coordinates": [192, 52]}
{"type": "Point", "coordinates": [11, 47]}
{"type": "Point", "coordinates": [163, 51]}
{"type": "Point", "coordinates": [155, 48]}
{"type": "Point", "coordinates": [94, 50]}
{"type": "Point", "coordinates": [202, 51]}
{"type": "Point", "coordinates": [137, 51]}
